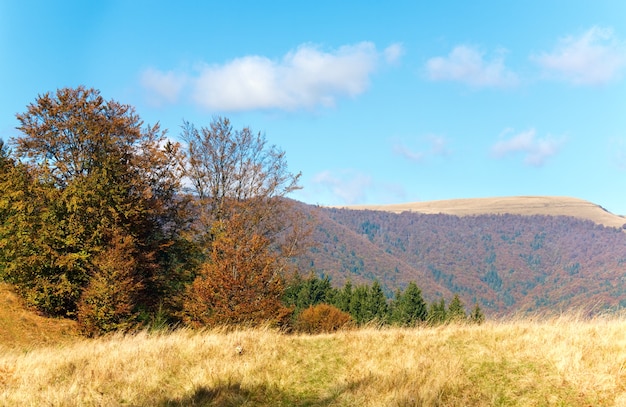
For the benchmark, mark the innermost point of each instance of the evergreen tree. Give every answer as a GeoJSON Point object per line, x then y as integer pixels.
{"type": "Point", "coordinates": [409, 306]}
{"type": "Point", "coordinates": [477, 315]}
{"type": "Point", "coordinates": [367, 303]}
{"type": "Point", "coordinates": [437, 313]}
{"type": "Point", "coordinates": [294, 284]}
{"type": "Point", "coordinates": [377, 307]}
{"type": "Point", "coordinates": [395, 308]}
{"type": "Point", "coordinates": [344, 297]}
{"type": "Point", "coordinates": [302, 293]}
{"type": "Point", "coordinates": [358, 304]}
{"type": "Point", "coordinates": [456, 310]}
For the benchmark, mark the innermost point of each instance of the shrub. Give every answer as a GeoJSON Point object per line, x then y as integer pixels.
{"type": "Point", "coordinates": [323, 318]}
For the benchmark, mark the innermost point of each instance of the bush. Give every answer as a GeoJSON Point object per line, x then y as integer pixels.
{"type": "Point", "coordinates": [323, 318]}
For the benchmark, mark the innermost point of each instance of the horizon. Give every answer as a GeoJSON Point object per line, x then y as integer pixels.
{"type": "Point", "coordinates": [374, 104]}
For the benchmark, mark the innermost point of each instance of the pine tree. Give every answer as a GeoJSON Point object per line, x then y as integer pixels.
{"type": "Point", "coordinates": [377, 307]}
{"type": "Point", "coordinates": [409, 307]}
{"type": "Point", "coordinates": [437, 313]}
{"type": "Point", "coordinates": [456, 310]}
{"type": "Point", "coordinates": [302, 293]}
{"type": "Point", "coordinates": [359, 305]}
{"type": "Point", "coordinates": [477, 315]}
{"type": "Point", "coordinates": [344, 297]}
{"type": "Point", "coordinates": [293, 285]}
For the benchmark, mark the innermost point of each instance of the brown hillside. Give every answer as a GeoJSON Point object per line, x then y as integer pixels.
{"type": "Point", "coordinates": [505, 262]}
{"type": "Point", "coordinates": [518, 205]}
{"type": "Point", "coordinates": [21, 328]}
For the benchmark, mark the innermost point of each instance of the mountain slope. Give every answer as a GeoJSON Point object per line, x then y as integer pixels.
{"type": "Point", "coordinates": [519, 205]}
{"type": "Point", "coordinates": [504, 262]}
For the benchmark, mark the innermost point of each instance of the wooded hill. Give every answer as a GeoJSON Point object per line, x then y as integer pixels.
{"type": "Point", "coordinates": [506, 263]}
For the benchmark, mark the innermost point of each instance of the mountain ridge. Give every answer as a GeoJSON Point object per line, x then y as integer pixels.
{"type": "Point", "coordinates": [515, 205]}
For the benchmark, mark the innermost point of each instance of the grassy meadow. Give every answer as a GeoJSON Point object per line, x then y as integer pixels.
{"type": "Point", "coordinates": [563, 361]}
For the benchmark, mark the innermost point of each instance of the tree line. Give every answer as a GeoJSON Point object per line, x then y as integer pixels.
{"type": "Point", "coordinates": [106, 220]}
{"type": "Point", "coordinates": [367, 304]}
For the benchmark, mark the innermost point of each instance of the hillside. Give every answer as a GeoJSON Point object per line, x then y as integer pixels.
{"type": "Point", "coordinates": [507, 263]}
{"type": "Point", "coordinates": [518, 205]}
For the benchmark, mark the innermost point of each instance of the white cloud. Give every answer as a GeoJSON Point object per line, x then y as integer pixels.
{"type": "Point", "coordinates": [304, 78]}
{"type": "Point", "coordinates": [393, 53]}
{"type": "Point", "coordinates": [163, 87]}
{"type": "Point", "coordinates": [593, 58]}
{"type": "Point", "coordinates": [406, 152]}
{"type": "Point", "coordinates": [437, 146]}
{"type": "Point", "coordinates": [350, 187]}
{"type": "Point", "coordinates": [467, 65]}
{"type": "Point", "coordinates": [535, 150]}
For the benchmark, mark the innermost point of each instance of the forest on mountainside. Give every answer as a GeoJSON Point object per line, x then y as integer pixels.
{"type": "Point", "coordinates": [505, 263]}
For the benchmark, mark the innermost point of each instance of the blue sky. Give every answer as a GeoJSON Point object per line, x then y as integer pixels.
{"type": "Point", "coordinates": [373, 102]}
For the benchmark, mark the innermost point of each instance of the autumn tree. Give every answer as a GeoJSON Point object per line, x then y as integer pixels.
{"type": "Point", "coordinates": [92, 181]}
{"type": "Point", "coordinates": [246, 226]}
{"type": "Point", "coordinates": [227, 167]}
{"type": "Point", "coordinates": [7, 174]}
{"type": "Point", "coordinates": [240, 284]}
{"type": "Point", "coordinates": [108, 302]}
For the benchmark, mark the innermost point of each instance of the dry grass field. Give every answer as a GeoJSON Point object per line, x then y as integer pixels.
{"type": "Point", "coordinates": [519, 205]}
{"type": "Point", "coordinates": [559, 361]}
{"type": "Point", "coordinates": [23, 329]}
{"type": "Point", "coordinates": [563, 361]}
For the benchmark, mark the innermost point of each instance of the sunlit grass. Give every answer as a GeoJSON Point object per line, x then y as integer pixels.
{"type": "Point", "coordinates": [565, 361]}
{"type": "Point", "coordinates": [23, 329]}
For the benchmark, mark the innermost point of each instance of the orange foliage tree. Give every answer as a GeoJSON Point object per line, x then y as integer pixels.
{"type": "Point", "coordinates": [240, 283]}
{"type": "Point", "coordinates": [245, 225]}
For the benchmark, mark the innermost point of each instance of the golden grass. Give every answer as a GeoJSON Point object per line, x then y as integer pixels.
{"type": "Point", "coordinates": [23, 329]}
{"type": "Point", "coordinates": [564, 361]}
{"type": "Point", "coordinates": [518, 205]}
